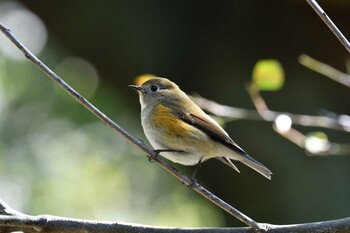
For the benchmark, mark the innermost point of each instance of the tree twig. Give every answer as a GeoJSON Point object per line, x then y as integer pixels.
{"type": "Point", "coordinates": [329, 23]}
{"type": "Point", "coordinates": [324, 69]}
{"type": "Point", "coordinates": [55, 224]}
{"type": "Point", "coordinates": [270, 116]}
{"type": "Point", "coordinates": [139, 143]}
{"type": "Point", "coordinates": [323, 146]}
{"type": "Point", "coordinates": [7, 210]}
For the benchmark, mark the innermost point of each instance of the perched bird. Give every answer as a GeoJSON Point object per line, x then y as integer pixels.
{"type": "Point", "coordinates": [183, 132]}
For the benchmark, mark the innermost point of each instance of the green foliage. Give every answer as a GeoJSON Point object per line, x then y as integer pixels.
{"type": "Point", "coordinates": [268, 75]}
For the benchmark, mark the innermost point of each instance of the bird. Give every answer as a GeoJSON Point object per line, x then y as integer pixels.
{"type": "Point", "coordinates": [180, 131]}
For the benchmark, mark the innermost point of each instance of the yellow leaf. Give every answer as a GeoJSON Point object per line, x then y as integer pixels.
{"type": "Point", "coordinates": [143, 78]}
{"type": "Point", "coordinates": [268, 75]}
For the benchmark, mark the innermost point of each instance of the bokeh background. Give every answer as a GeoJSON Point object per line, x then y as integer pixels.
{"type": "Point", "coordinates": [56, 158]}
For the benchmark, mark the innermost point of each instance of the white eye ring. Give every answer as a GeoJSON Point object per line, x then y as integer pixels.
{"type": "Point", "coordinates": [154, 88]}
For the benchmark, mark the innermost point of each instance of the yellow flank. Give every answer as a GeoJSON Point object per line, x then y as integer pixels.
{"type": "Point", "coordinates": [178, 134]}
{"type": "Point", "coordinates": [164, 119]}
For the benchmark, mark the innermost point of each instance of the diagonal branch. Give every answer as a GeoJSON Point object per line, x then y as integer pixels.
{"type": "Point", "coordinates": [137, 142]}
{"type": "Point", "coordinates": [329, 23]}
{"type": "Point", "coordinates": [324, 69]}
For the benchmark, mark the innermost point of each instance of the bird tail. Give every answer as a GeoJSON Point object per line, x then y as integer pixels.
{"type": "Point", "coordinates": [228, 162]}
{"type": "Point", "coordinates": [252, 163]}
{"type": "Point", "coordinates": [257, 167]}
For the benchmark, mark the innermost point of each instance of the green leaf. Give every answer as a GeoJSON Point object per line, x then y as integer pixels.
{"type": "Point", "coordinates": [268, 75]}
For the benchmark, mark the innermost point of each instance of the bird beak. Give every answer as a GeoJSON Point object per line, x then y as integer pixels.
{"type": "Point", "coordinates": [137, 88]}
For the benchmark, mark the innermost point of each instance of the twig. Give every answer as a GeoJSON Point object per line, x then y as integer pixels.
{"type": "Point", "coordinates": [7, 210]}
{"type": "Point", "coordinates": [140, 144]}
{"type": "Point", "coordinates": [54, 224]}
{"type": "Point", "coordinates": [325, 69]}
{"type": "Point", "coordinates": [270, 116]}
{"type": "Point", "coordinates": [324, 148]}
{"type": "Point", "coordinates": [329, 23]}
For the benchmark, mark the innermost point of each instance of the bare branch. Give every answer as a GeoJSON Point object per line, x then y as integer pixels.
{"type": "Point", "coordinates": [323, 146]}
{"type": "Point", "coordinates": [235, 113]}
{"type": "Point", "coordinates": [54, 224]}
{"type": "Point", "coordinates": [329, 23]}
{"type": "Point", "coordinates": [7, 210]}
{"type": "Point", "coordinates": [140, 144]}
{"type": "Point", "coordinates": [265, 114]}
{"type": "Point", "coordinates": [325, 69]}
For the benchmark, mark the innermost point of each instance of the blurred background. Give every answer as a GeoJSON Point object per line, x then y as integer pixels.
{"type": "Point", "coordinates": [56, 158]}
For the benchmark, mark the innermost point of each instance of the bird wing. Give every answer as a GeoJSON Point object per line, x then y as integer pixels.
{"type": "Point", "coordinates": [207, 125]}
{"type": "Point", "coordinates": [216, 133]}
{"type": "Point", "coordinates": [213, 130]}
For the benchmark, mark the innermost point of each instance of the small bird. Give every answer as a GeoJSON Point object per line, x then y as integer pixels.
{"type": "Point", "coordinates": [182, 132]}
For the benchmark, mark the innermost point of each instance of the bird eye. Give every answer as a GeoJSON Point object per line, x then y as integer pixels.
{"type": "Point", "coordinates": [154, 88]}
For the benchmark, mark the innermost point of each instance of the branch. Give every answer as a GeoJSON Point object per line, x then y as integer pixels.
{"type": "Point", "coordinates": [17, 221]}
{"type": "Point", "coordinates": [329, 23]}
{"type": "Point", "coordinates": [270, 116]}
{"type": "Point", "coordinates": [325, 69]}
{"type": "Point", "coordinates": [312, 144]}
{"type": "Point", "coordinates": [137, 142]}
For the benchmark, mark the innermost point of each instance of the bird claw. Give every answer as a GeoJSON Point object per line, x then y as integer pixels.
{"type": "Point", "coordinates": [191, 184]}
{"type": "Point", "coordinates": [151, 158]}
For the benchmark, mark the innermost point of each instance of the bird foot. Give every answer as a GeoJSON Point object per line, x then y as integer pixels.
{"type": "Point", "coordinates": [192, 183]}
{"type": "Point", "coordinates": [151, 158]}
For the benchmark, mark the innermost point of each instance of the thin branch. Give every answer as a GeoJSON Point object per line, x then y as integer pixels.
{"type": "Point", "coordinates": [139, 143]}
{"type": "Point", "coordinates": [7, 210]}
{"type": "Point", "coordinates": [320, 147]}
{"type": "Point", "coordinates": [325, 69]}
{"type": "Point", "coordinates": [330, 24]}
{"type": "Point", "coordinates": [235, 113]}
{"type": "Point", "coordinates": [263, 113]}
{"type": "Point", "coordinates": [54, 224]}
